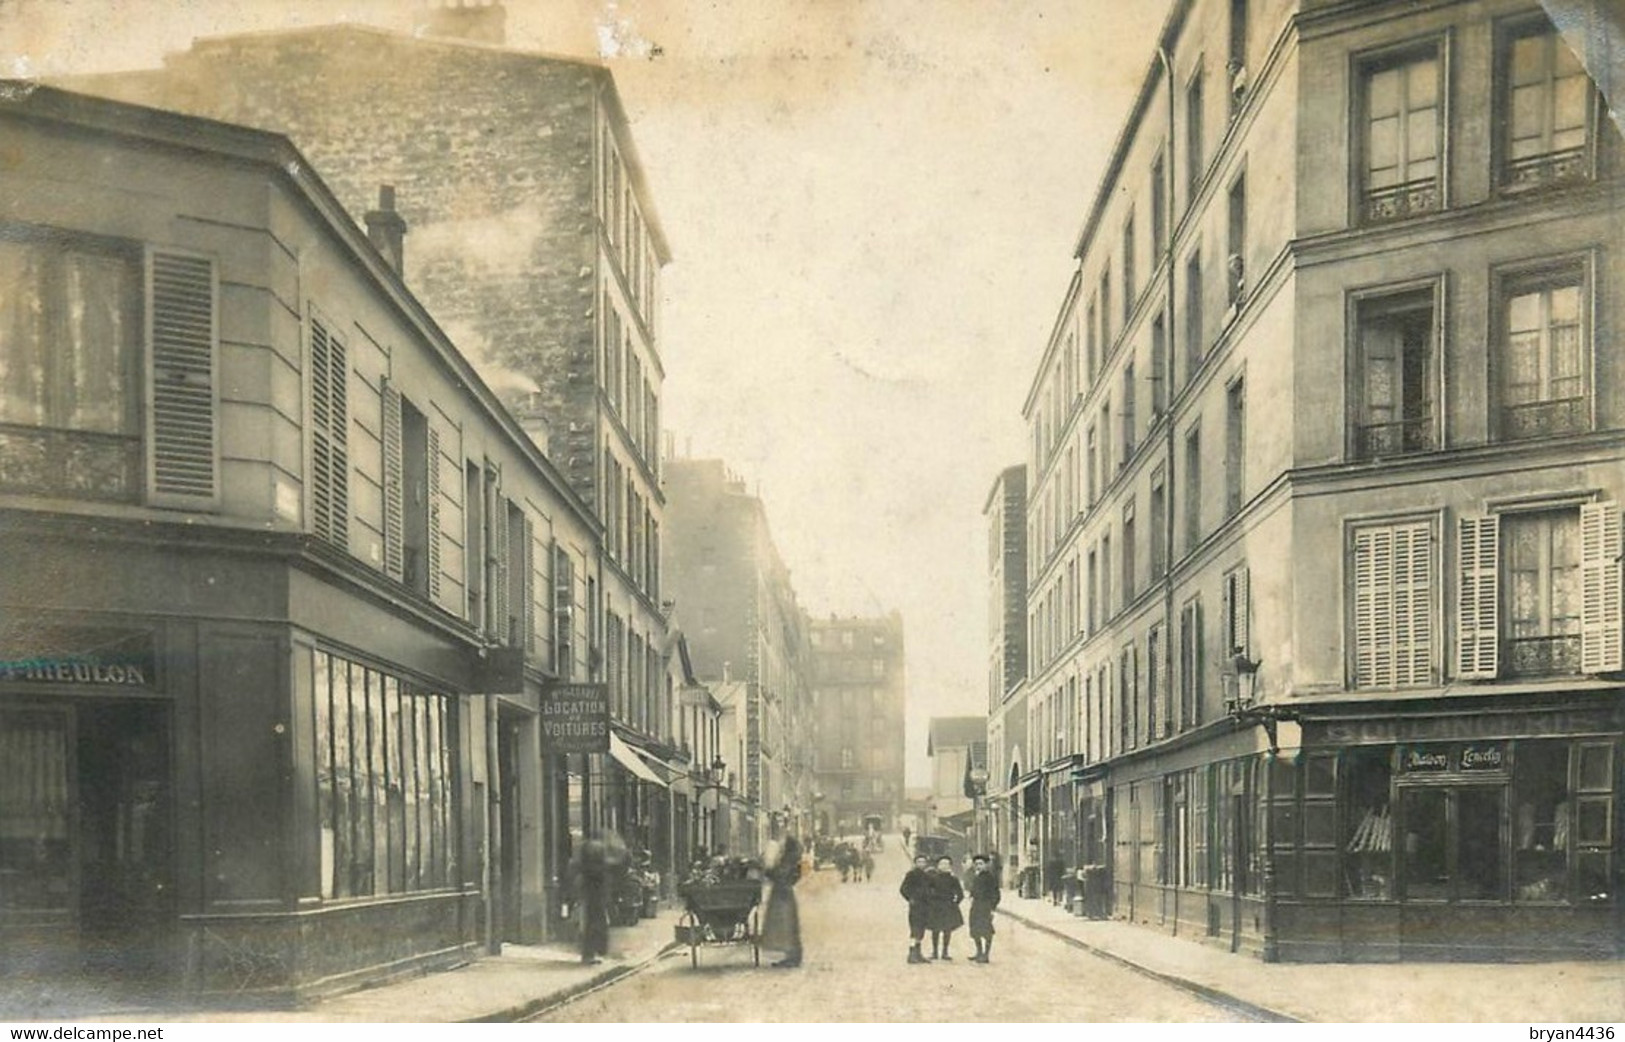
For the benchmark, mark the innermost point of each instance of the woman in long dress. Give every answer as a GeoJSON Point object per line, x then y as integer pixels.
{"type": "Point", "coordinates": [781, 929]}
{"type": "Point", "coordinates": [946, 893]}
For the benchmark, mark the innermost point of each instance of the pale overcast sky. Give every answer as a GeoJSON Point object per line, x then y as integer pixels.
{"type": "Point", "coordinates": [872, 206]}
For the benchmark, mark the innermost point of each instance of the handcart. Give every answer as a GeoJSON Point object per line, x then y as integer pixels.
{"type": "Point", "coordinates": [722, 913]}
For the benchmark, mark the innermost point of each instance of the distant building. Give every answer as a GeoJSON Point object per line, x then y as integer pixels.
{"type": "Point", "coordinates": [1003, 824]}
{"type": "Point", "coordinates": [858, 692]}
{"type": "Point", "coordinates": [744, 625]}
{"type": "Point", "coordinates": [955, 745]}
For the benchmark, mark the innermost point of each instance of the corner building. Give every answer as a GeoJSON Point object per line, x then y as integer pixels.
{"type": "Point", "coordinates": [1327, 467]}
{"type": "Point", "coordinates": [278, 566]}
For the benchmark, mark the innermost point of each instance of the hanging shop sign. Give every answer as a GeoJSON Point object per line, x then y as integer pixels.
{"type": "Point", "coordinates": [575, 718]}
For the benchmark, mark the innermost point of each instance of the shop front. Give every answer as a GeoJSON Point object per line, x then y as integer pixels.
{"type": "Point", "coordinates": [1439, 835]}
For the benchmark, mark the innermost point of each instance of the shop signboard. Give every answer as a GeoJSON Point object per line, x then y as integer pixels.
{"type": "Point", "coordinates": [575, 718]}
{"type": "Point", "coordinates": [1462, 758]}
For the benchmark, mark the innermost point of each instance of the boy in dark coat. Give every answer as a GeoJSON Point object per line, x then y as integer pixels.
{"type": "Point", "coordinates": [916, 890]}
{"type": "Point", "coordinates": [984, 897]}
{"type": "Point", "coordinates": [945, 916]}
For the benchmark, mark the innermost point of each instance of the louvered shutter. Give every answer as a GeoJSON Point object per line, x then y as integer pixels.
{"type": "Point", "coordinates": [433, 475]}
{"type": "Point", "coordinates": [1393, 605]}
{"type": "Point", "coordinates": [528, 587]}
{"type": "Point", "coordinates": [1413, 604]}
{"type": "Point", "coordinates": [1478, 598]}
{"type": "Point", "coordinates": [1243, 606]}
{"type": "Point", "coordinates": [393, 480]}
{"type": "Point", "coordinates": [1600, 615]}
{"type": "Point", "coordinates": [338, 365]}
{"type": "Point", "coordinates": [1164, 695]}
{"type": "Point", "coordinates": [1373, 586]}
{"type": "Point", "coordinates": [321, 423]}
{"type": "Point", "coordinates": [182, 392]}
{"type": "Point", "coordinates": [498, 556]}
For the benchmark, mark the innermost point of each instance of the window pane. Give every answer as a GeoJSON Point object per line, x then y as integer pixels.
{"type": "Point", "coordinates": [1540, 822]}
{"type": "Point", "coordinates": [1529, 60]}
{"type": "Point", "coordinates": [1591, 823]}
{"type": "Point", "coordinates": [1320, 776]}
{"type": "Point", "coordinates": [1596, 768]}
{"type": "Point", "coordinates": [1591, 870]}
{"type": "Point", "coordinates": [1480, 860]}
{"type": "Point", "coordinates": [322, 693]}
{"type": "Point", "coordinates": [1424, 83]}
{"type": "Point", "coordinates": [1426, 875]}
{"type": "Point", "coordinates": [1382, 151]}
{"type": "Point", "coordinates": [1422, 141]}
{"type": "Point", "coordinates": [1383, 94]}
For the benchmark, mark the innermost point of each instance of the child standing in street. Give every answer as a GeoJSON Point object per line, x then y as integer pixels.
{"type": "Point", "coordinates": [984, 897]}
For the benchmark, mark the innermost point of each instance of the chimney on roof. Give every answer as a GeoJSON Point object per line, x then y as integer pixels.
{"type": "Point", "coordinates": [387, 229]}
{"type": "Point", "coordinates": [477, 21]}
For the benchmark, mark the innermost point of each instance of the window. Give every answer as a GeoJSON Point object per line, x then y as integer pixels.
{"type": "Point", "coordinates": [1368, 824]}
{"type": "Point", "coordinates": [563, 613]}
{"type": "Point", "coordinates": [877, 667]}
{"type": "Point", "coordinates": [1392, 595]}
{"type": "Point", "coordinates": [384, 782]}
{"type": "Point", "coordinates": [1159, 366]}
{"type": "Point", "coordinates": [1235, 445]}
{"type": "Point", "coordinates": [849, 759]}
{"type": "Point", "coordinates": [1108, 467]}
{"type": "Point", "coordinates": [1237, 612]}
{"type": "Point", "coordinates": [1128, 268]}
{"type": "Point", "coordinates": [1545, 110]}
{"type": "Point", "coordinates": [1542, 595]}
{"type": "Point", "coordinates": [330, 435]}
{"type": "Point", "coordinates": [1237, 64]}
{"type": "Point", "coordinates": [1105, 314]}
{"type": "Point", "coordinates": [1105, 578]}
{"type": "Point", "coordinates": [1128, 681]}
{"type": "Point", "coordinates": [1236, 241]}
{"type": "Point", "coordinates": [1544, 585]}
{"type": "Point", "coordinates": [1452, 849]}
{"type": "Point", "coordinates": [1403, 135]}
{"type": "Point", "coordinates": [1396, 377]}
{"type": "Point", "coordinates": [1195, 346]}
{"type": "Point", "coordinates": [1193, 489]}
{"type": "Point", "coordinates": [846, 639]}
{"type": "Point", "coordinates": [1091, 342]}
{"type": "Point", "coordinates": [1195, 160]}
{"type": "Point", "coordinates": [1128, 552]}
{"type": "Point", "coordinates": [1129, 397]}
{"type": "Point", "coordinates": [1091, 464]}
{"type": "Point", "coordinates": [1159, 206]}
{"type": "Point", "coordinates": [1159, 523]}
{"type": "Point", "coordinates": [1156, 685]}
{"type": "Point", "coordinates": [1094, 589]}
{"type": "Point", "coordinates": [1543, 353]}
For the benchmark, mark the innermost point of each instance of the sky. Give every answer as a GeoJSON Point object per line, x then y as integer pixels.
{"type": "Point", "coordinates": [872, 207]}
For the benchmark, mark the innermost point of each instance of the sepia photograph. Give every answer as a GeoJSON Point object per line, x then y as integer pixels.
{"type": "Point", "coordinates": [829, 512]}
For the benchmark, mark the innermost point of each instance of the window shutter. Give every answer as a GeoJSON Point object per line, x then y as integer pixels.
{"type": "Point", "coordinates": [1164, 696]}
{"type": "Point", "coordinates": [321, 422]}
{"type": "Point", "coordinates": [528, 585]}
{"type": "Point", "coordinates": [393, 551]}
{"type": "Point", "coordinates": [433, 493]}
{"type": "Point", "coordinates": [338, 379]}
{"type": "Point", "coordinates": [1477, 598]}
{"type": "Point", "coordinates": [1393, 614]}
{"type": "Point", "coordinates": [1373, 586]}
{"type": "Point", "coordinates": [1413, 604]}
{"type": "Point", "coordinates": [182, 399]}
{"type": "Point", "coordinates": [1600, 614]}
{"type": "Point", "coordinates": [498, 556]}
{"type": "Point", "coordinates": [1244, 609]}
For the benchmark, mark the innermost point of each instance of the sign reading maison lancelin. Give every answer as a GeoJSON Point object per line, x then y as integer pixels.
{"type": "Point", "coordinates": [575, 718]}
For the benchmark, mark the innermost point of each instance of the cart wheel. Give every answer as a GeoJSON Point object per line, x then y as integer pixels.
{"type": "Point", "coordinates": [693, 955]}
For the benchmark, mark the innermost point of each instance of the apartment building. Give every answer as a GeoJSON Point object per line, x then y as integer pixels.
{"type": "Point", "coordinates": [1327, 461]}
{"type": "Point", "coordinates": [858, 693]}
{"type": "Point", "coordinates": [535, 243]}
{"type": "Point", "coordinates": [1004, 825]}
{"type": "Point", "coordinates": [283, 580]}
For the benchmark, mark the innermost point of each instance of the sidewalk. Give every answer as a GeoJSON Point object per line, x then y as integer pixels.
{"type": "Point", "coordinates": [519, 982]}
{"type": "Point", "coordinates": [1548, 992]}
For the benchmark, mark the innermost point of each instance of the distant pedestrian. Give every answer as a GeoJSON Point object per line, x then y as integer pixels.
{"type": "Point", "coordinates": [984, 897]}
{"type": "Point", "coordinates": [781, 927]}
{"type": "Point", "coordinates": [916, 890]}
{"type": "Point", "coordinates": [944, 916]}
{"type": "Point", "coordinates": [1054, 878]}
{"type": "Point", "coordinates": [868, 862]}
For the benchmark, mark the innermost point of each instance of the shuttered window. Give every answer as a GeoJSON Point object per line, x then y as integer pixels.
{"type": "Point", "coordinates": [432, 481]}
{"type": "Point", "coordinates": [1237, 612]}
{"type": "Point", "coordinates": [1190, 665]}
{"type": "Point", "coordinates": [563, 613]}
{"type": "Point", "coordinates": [1393, 605]}
{"type": "Point", "coordinates": [182, 388]}
{"type": "Point", "coordinates": [1477, 598]}
{"type": "Point", "coordinates": [393, 482]}
{"type": "Point", "coordinates": [1600, 591]}
{"type": "Point", "coordinates": [330, 435]}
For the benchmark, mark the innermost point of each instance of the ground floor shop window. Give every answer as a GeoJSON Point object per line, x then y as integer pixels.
{"type": "Point", "coordinates": [1368, 824]}
{"type": "Point", "coordinates": [384, 776]}
{"type": "Point", "coordinates": [1453, 847]}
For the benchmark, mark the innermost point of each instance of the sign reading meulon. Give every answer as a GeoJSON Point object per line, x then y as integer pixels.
{"type": "Point", "coordinates": [575, 718]}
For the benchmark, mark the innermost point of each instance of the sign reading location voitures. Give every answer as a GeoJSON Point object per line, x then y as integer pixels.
{"type": "Point", "coordinates": [575, 718]}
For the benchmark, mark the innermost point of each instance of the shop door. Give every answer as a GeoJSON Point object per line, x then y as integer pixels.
{"type": "Point", "coordinates": [1454, 845]}
{"type": "Point", "coordinates": [39, 885]}
{"type": "Point", "coordinates": [508, 845]}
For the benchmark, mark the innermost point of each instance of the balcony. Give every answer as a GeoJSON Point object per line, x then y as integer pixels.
{"type": "Point", "coordinates": [1545, 419]}
{"type": "Point", "coordinates": [69, 464]}
{"type": "Point", "coordinates": [1394, 202]}
{"type": "Point", "coordinates": [1412, 434]}
{"type": "Point", "coordinates": [1543, 656]}
{"type": "Point", "coordinates": [1549, 168]}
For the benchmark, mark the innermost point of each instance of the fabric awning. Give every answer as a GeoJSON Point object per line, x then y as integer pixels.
{"type": "Point", "coordinates": [627, 757]}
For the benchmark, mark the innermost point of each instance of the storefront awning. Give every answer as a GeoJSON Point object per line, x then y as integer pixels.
{"type": "Point", "coordinates": [628, 757]}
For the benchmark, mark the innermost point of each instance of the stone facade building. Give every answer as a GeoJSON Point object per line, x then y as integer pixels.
{"type": "Point", "coordinates": [858, 691]}
{"type": "Point", "coordinates": [1327, 467]}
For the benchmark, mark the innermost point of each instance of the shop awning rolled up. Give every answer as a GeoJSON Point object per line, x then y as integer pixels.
{"type": "Point", "coordinates": [628, 757]}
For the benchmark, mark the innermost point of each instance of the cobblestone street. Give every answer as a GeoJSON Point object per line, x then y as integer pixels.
{"type": "Point", "coordinates": [856, 942]}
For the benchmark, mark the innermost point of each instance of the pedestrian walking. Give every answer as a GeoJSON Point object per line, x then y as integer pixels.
{"type": "Point", "coordinates": [781, 929]}
{"type": "Point", "coordinates": [945, 917]}
{"type": "Point", "coordinates": [916, 890]}
{"type": "Point", "coordinates": [868, 863]}
{"type": "Point", "coordinates": [589, 879]}
{"type": "Point", "coordinates": [984, 897]}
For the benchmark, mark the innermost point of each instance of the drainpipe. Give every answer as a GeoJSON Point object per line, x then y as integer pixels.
{"type": "Point", "coordinates": [1170, 353]}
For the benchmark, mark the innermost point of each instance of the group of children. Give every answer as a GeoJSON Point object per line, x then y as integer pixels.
{"type": "Point", "coordinates": [934, 895]}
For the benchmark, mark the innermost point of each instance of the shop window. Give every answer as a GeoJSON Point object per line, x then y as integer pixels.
{"type": "Point", "coordinates": [1541, 836]}
{"type": "Point", "coordinates": [1545, 110]}
{"type": "Point", "coordinates": [1396, 376]}
{"type": "Point", "coordinates": [1453, 848]}
{"type": "Point", "coordinates": [1594, 822]}
{"type": "Point", "coordinates": [1197, 869]}
{"type": "Point", "coordinates": [1368, 824]}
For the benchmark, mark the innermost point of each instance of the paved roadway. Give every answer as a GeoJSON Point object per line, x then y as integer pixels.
{"type": "Point", "coordinates": [855, 937]}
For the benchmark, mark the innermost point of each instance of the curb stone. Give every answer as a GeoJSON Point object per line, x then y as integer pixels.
{"type": "Point", "coordinates": [1204, 991]}
{"type": "Point", "coordinates": [516, 1014]}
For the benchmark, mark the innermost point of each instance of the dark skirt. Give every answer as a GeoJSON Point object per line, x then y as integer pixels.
{"type": "Point", "coordinates": [781, 923]}
{"type": "Point", "coordinates": [945, 915]}
{"type": "Point", "coordinates": [981, 919]}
